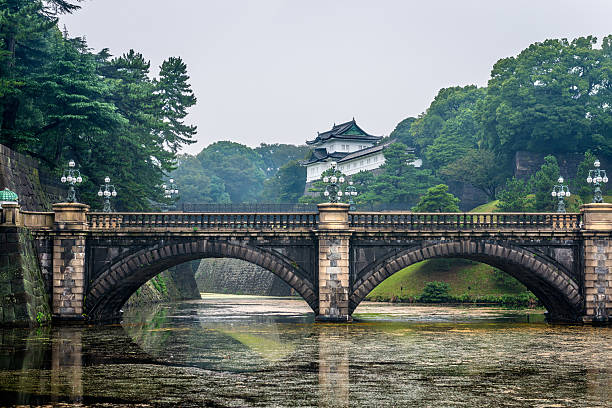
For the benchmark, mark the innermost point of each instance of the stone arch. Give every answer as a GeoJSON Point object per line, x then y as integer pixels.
{"type": "Point", "coordinates": [559, 293]}
{"type": "Point", "coordinates": [113, 287]}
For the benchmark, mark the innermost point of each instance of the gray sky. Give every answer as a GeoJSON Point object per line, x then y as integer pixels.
{"type": "Point", "coordinates": [278, 71]}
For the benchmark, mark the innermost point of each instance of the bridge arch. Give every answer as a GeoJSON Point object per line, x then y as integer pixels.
{"type": "Point", "coordinates": [559, 293]}
{"type": "Point", "coordinates": [113, 287]}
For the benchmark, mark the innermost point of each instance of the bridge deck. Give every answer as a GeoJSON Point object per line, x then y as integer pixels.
{"type": "Point", "coordinates": [303, 222]}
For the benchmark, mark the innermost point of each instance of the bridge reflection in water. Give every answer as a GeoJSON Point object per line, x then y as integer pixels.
{"type": "Point", "coordinates": [222, 354]}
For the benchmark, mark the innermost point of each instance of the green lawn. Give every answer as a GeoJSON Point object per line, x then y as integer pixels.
{"type": "Point", "coordinates": [464, 277]}
{"type": "Point", "coordinates": [491, 206]}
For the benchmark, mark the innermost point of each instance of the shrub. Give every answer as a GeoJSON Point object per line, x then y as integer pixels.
{"type": "Point", "coordinates": [435, 292]}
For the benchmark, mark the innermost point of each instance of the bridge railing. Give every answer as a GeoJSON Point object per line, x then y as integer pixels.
{"type": "Point", "coordinates": [464, 221]}
{"type": "Point", "coordinates": [202, 221]}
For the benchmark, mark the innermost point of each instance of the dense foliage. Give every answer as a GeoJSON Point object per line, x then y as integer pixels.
{"type": "Point", "coordinates": [437, 199]}
{"type": "Point", "coordinates": [60, 101]}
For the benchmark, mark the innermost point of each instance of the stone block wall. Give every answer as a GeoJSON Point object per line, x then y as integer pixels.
{"type": "Point", "coordinates": [176, 283]}
{"type": "Point", "coordinates": [23, 299]}
{"type": "Point", "coordinates": [527, 164]}
{"type": "Point", "coordinates": [36, 187]}
{"type": "Point", "coordinates": [68, 276]}
{"type": "Point", "coordinates": [334, 276]}
{"type": "Point", "coordinates": [235, 276]}
{"type": "Point", "coordinates": [598, 279]}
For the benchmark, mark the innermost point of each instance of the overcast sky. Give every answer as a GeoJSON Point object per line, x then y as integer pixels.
{"type": "Point", "coordinates": [278, 71]}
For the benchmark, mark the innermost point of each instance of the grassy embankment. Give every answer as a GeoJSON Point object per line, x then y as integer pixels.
{"type": "Point", "coordinates": [468, 281]}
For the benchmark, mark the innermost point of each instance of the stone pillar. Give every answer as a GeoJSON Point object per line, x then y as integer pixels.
{"type": "Point", "coordinates": [70, 229]}
{"type": "Point", "coordinates": [334, 283]}
{"type": "Point", "coordinates": [597, 241]}
{"type": "Point", "coordinates": [10, 215]}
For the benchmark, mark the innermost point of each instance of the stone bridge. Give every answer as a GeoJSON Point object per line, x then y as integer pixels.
{"type": "Point", "coordinates": [333, 258]}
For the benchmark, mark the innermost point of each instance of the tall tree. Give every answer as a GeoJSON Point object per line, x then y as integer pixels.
{"type": "Point", "coordinates": [195, 186]}
{"type": "Point", "coordinates": [287, 185]}
{"type": "Point", "coordinates": [514, 197]}
{"type": "Point", "coordinates": [542, 183]}
{"type": "Point", "coordinates": [553, 97]}
{"type": "Point", "coordinates": [437, 199]}
{"type": "Point", "coordinates": [240, 168]}
{"type": "Point", "coordinates": [450, 117]}
{"type": "Point", "coordinates": [400, 182]}
{"type": "Point", "coordinates": [176, 98]}
{"type": "Point", "coordinates": [478, 167]}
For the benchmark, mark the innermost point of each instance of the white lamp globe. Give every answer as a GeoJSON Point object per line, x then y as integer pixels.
{"type": "Point", "coordinates": [560, 180]}
{"type": "Point", "coordinates": [326, 179]}
{"type": "Point", "coordinates": [107, 179]}
{"type": "Point", "coordinates": [597, 163]}
{"type": "Point", "coordinates": [605, 179]}
{"type": "Point", "coordinates": [326, 193]}
{"type": "Point", "coordinates": [100, 193]}
{"type": "Point", "coordinates": [172, 180]}
{"type": "Point", "coordinates": [341, 179]}
{"type": "Point", "coordinates": [554, 193]}
{"type": "Point", "coordinates": [114, 193]}
{"type": "Point", "coordinates": [339, 193]}
{"type": "Point", "coordinates": [589, 179]}
{"type": "Point", "coordinates": [107, 193]}
{"type": "Point", "coordinates": [63, 179]}
{"type": "Point", "coordinates": [333, 179]}
{"type": "Point", "coordinates": [599, 179]}
{"type": "Point", "coordinates": [79, 179]}
{"type": "Point", "coordinates": [567, 194]}
{"type": "Point", "coordinates": [350, 183]}
{"type": "Point", "coordinates": [69, 179]}
{"type": "Point", "coordinates": [71, 163]}
{"type": "Point", "coordinates": [562, 193]}
{"type": "Point", "coordinates": [334, 164]}
{"type": "Point", "coordinates": [353, 193]}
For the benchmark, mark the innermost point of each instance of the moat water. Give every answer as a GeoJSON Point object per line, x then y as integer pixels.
{"type": "Point", "coordinates": [236, 351]}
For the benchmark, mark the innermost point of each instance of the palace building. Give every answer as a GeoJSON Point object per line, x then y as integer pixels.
{"type": "Point", "coordinates": [348, 145]}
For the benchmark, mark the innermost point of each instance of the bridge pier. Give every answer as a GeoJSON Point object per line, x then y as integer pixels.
{"type": "Point", "coordinates": [597, 235]}
{"type": "Point", "coordinates": [334, 283]}
{"type": "Point", "coordinates": [70, 225]}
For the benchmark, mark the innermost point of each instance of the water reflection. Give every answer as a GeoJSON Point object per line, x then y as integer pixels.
{"type": "Point", "coordinates": [67, 365]}
{"type": "Point", "coordinates": [333, 365]}
{"type": "Point", "coordinates": [254, 352]}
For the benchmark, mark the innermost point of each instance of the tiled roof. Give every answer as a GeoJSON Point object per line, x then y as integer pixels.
{"type": "Point", "coordinates": [341, 131]}
{"type": "Point", "coordinates": [363, 152]}
{"type": "Point", "coordinates": [321, 154]}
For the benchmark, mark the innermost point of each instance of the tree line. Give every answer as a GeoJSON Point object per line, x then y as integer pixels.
{"type": "Point", "coordinates": [554, 98]}
{"type": "Point", "coordinates": [61, 101]}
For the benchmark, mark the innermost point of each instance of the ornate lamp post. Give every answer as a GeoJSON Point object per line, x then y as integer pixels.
{"type": "Point", "coordinates": [351, 192]}
{"type": "Point", "coordinates": [597, 177]}
{"type": "Point", "coordinates": [109, 190]}
{"type": "Point", "coordinates": [170, 190]}
{"type": "Point", "coordinates": [71, 176]}
{"type": "Point", "coordinates": [332, 190]}
{"type": "Point", "coordinates": [560, 191]}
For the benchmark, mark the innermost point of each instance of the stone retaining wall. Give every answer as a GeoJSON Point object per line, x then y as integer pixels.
{"type": "Point", "coordinates": [235, 276]}
{"type": "Point", "coordinates": [23, 298]}
{"type": "Point", "coordinates": [36, 187]}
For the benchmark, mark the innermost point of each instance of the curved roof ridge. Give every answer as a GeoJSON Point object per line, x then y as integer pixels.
{"type": "Point", "coordinates": [338, 131]}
